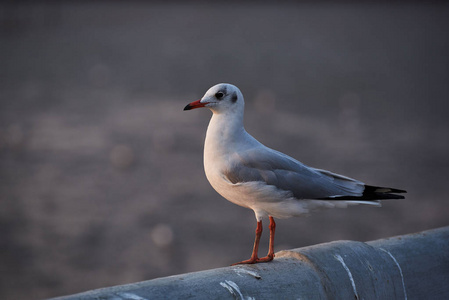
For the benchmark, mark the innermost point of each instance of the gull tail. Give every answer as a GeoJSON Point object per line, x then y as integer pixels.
{"type": "Point", "coordinates": [372, 193]}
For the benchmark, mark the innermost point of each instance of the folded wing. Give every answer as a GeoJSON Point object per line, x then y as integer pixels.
{"type": "Point", "coordinates": [275, 168]}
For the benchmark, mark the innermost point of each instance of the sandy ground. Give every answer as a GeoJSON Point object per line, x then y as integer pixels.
{"type": "Point", "coordinates": [101, 170]}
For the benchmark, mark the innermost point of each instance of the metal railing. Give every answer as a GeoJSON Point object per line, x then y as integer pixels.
{"type": "Point", "coordinates": [414, 266]}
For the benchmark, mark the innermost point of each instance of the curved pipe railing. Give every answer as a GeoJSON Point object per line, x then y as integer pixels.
{"type": "Point", "coordinates": [414, 266]}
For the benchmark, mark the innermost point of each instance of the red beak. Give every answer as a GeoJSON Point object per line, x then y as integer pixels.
{"type": "Point", "coordinates": [194, 104]}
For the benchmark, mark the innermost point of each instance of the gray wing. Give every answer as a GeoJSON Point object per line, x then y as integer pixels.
{"type": "Point", "coordinates": [275, 168]}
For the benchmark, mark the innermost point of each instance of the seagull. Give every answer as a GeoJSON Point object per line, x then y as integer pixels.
{"type": "Point", "coordinates": [271, 183]}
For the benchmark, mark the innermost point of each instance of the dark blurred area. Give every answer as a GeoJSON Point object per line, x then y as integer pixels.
{"type": "Point", "coordinates": [101, 171]}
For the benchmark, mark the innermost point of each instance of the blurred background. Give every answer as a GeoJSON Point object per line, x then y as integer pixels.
{"type": "Point", "coordinates": [102, 181]}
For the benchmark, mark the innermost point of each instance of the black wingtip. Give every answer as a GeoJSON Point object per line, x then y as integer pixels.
{"type": "Point", "coordinates": [366, 197]}
{"type": "Point", "coordinates": [398, 191]}
{"type": "Point", "coordinates": [382, 190]}
{"type": "Point", "coordinates": [372, 193]}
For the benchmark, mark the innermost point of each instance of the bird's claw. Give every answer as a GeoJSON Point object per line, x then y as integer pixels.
{"type": "Point", "coordinates": [255, 260]}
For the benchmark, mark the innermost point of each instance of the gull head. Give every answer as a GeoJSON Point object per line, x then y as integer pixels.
{"type": "Point", "coordinates": [221, 98]}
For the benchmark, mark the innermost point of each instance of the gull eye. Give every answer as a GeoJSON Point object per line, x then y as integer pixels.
{"type": "Point", "coordinates": [219, 95]}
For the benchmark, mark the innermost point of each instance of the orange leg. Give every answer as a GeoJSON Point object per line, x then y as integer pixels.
{"type": "Point", "coordinates": [270, 254]}
{"type": "Point", "coordinates": [254, 258]}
